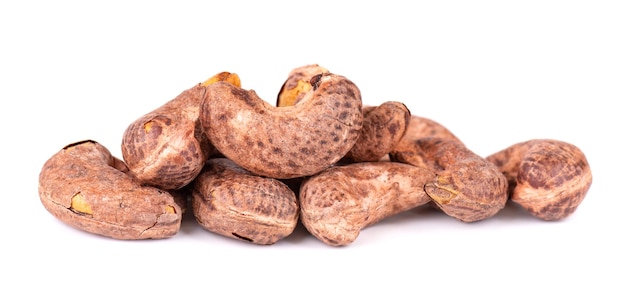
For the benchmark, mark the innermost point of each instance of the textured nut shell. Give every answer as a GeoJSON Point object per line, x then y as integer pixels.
{"type": "Point", "coordinates": [284, 142]}
{"type": "Point", "coordinates": [229, 201]}
{"type": "Point", "coordinates": [383, 127]}
{"type": "Point", "coordinates": [468, 187]}
{"type": "Point", "coordinates": [421, 127]}
{"type": "Point", "coordinates": [298, 83]}
{"type": "Point", "coordinates": [166, 148]}
{"type": "Point", "coordinates": [339, 201]}
{"type": "Point", "coordinates": [549, 178]}
{"type": "Point", "coordinates": [121, 207]}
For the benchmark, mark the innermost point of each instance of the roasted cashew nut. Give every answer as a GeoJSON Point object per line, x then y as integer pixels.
{"type": "Point", "coordinates": [88, 189]}
{"type": "Point", "coordinates": [337, 203]}
{"type": "Point", "coordinates": [468, 187]}
{"type": "Point", "coordinates": [284, 142]}
{"type": "Point", "coordinates": [549, 178]}
{"type": "Point", "coordinates": [166, 147]}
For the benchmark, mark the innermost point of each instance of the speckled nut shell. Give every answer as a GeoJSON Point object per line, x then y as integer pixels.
{"type": "Point", "coordinates": [228, 200]}
{"type": "Point", "coordinates": [549, 178]}
{"type": "Point", "coordinates": [87, 188]}
{"type": "Point", "coordinates": [421, 127]}
{"type": "Point", "coordinates": [284, 142]}
{"type": "Point", "coordinates": [383, 127]}
{"type": "Point", "coordinates": [467, 187]}
{"type": "Point", "coordinates": [340, 201]}
{"type": "Point", "coordinates": [166, 147]}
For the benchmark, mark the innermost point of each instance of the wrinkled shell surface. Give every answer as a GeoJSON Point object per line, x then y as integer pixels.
{"type": "Point", "coordinates": [421, 127]}
{"type": "Point", "coordinates": [284, 142]}
{"type": "Point", "coordinates": [339, 201]}
{"type": "Point", "coordinates": [166, 148]}
{"type": "Point", "coordinates": [228, 200]}
{"type": "Point", "coordinates": [383, 127]}
{"type": "Point", "coordinates": [468, 187]}
{"type": "Point", "coordinates": [549, 178]}
{"type": "Point", "coordinates": [119, 207]}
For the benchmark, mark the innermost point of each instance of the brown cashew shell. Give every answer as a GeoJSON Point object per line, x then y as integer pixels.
{"type": "Point", "coordinates": [421, 127]}
{"type": "Point", "coordinates": [88, 189]}
{"type": "Point", "coordinates": [467, 187]}
{"type": "Point", "coordinates": [340, 201]}
{"type": "Point", "coordinates": [284, 142]}
{"type": "Point", "coordinates": [228, 200]}
{"type": "Point", "coordinates": [548, 178]}
{"type": "Point", "coordinates": [383, 128]}
{"type": "Point", "coordinates": [166, 147]}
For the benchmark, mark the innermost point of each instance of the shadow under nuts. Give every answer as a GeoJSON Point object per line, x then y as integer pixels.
{"type": "Point", "coordinates": [228, 200]}
{"type": "Point", "coordinates": [339, 201]}
{"type": "Point", "coordinates": [549, 178]}
{"type": "Point", "coordinates": [284, 142]}
{"type": "Point", "coordinates": [87, 188]}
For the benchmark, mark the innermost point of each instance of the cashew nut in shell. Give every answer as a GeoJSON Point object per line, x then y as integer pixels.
{"type": "Point", "coordinates": [88, 189]}
{"type": "Point", "coordinates": [549, 178]}
{"type": "Point", "coordinates": [338, 202]}
{"type": "Point", "coordinates": [468, 187]}
{"type": "Point", "coordinates": [383, 128]}
{"type": "Point", "coordinates": [228, 200]}
{"type": "Point", "coordinates": [284, 142]}
{"type": "Point", "coordinates": [166, 147]}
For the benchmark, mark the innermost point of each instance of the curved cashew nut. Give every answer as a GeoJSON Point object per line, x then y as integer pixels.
{"type": "Point", "coordinates": [468, 187]}
{"type": "Point", "coordinates": [166, 147]}
{"type": "Point", "coordinates": [228, 200]}
{"type": "Point", "coordinates": [284, 142]}
{"type": "Point", "coordinates": [338, 202]}
{"type": "Point", "coordinates": [87, 188]}
{"type": "Point", "coordinates": [549, 178]}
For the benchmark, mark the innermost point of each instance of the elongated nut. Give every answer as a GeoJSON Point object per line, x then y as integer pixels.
{"type": "Point", "coordinates": [549, 178]}
{"type": "Point", "coordinates": [228, 200]}
{"type": "Point", "coordinates": [166, 147]}
{"type": "Point", "coordinates": [284, 142]}
{"type": "Point", "coordinates": [88, 189]}
{"type": "Point", "coordinates": [340, 201]}
{"type": "Point", "coordinates": [383, 127]}
{"type": "Point", "coordinates": [468, 187]}
{"type": "Point", "coordinates": [298, 84]}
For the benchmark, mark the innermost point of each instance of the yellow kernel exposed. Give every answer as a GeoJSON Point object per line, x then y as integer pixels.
{"type": "Point", "coordinates": [79, 204]}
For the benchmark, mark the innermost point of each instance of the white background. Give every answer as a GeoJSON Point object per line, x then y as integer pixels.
{"type": "Point", "coordinates": [494, 72]}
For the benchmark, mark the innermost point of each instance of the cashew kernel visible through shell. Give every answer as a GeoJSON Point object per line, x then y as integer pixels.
{"type": "Point", "coordinates": [88, 189]}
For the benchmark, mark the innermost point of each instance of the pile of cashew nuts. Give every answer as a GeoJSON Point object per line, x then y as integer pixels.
{"type": "Point", "coordinates": [252, 171]}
